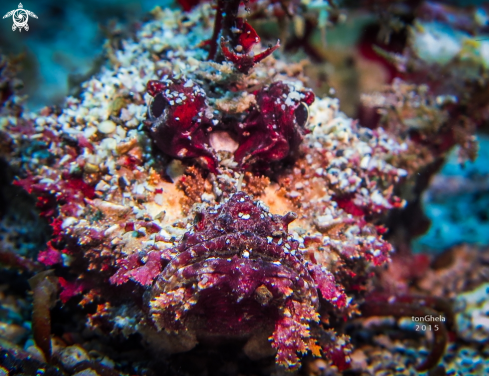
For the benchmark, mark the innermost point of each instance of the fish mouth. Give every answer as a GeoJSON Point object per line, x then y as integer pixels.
{"type": "Point", "coordinates": [234, 295]}
{"type": "Point", "coordinates": [242, 274]}
{"type": "Point", "coordinates": [229, 295]}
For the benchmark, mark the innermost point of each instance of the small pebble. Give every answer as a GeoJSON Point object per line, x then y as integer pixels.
{"type": "Point", "coordinates": [87, 372]}
{"type": "Point", "coordinates": [107, 126]}
{"type": "Point", "coordinates": [73, 355]}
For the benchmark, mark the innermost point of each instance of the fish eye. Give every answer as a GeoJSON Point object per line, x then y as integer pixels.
{"type": "Point", "coordinates": [302, 114]}
{"type": "Point", "coordinates": [157, 107]}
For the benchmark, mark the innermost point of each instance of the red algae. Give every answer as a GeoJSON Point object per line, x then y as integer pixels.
{"type": "Point", "coordinates": [244, 62]}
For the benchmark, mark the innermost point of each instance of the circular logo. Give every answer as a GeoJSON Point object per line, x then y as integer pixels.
{"type": "Point", "coordinates": [20, 18]}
